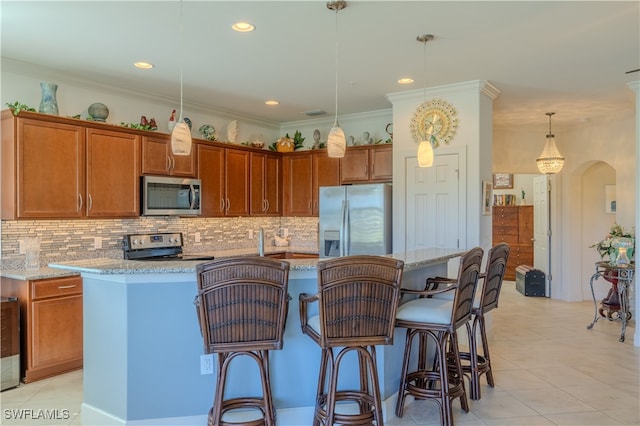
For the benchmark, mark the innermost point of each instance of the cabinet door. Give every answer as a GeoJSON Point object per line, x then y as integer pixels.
{"type": "Point", "coordinates": [211, 173]}
{"type": "Point", "coordinates": [298, 184]}
{"type": "Point", "coordinates": [113, 174]}
{"type": "Point", "coordinates": [258, 202]}
{"type": "Point", "coordinates": [157, 158]}
{"type": "Point", "coordinates": [50, 170]}
{"type": "Point", "coordinates": [273, 184]}
{"type": "Point", "coordinates": [354, 166]}
{"type": "Point", "coordinates": [57, 332]}
{"type": "Point", "coordinates": [381, 159]}
{"type": "Point", "coordinates": [326, 172]}
{"type": "Point", "coordinates": [237, 182]}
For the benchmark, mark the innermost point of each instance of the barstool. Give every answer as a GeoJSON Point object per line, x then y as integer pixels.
{"type": "Point", "coordinates": [475, 364]}
{"type": "Point", "coordinates": [242, 305]}
{"type": "Point", "coordinates": [357, 303]}
{"type": "Point", "coordinates": [437, 320]}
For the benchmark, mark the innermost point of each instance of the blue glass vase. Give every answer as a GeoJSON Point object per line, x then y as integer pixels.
{"type": "Point", "coordinates": [48, 102]}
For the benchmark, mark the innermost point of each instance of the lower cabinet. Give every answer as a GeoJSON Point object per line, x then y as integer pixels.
{"type": "Point", "coordinates": [50, 324]}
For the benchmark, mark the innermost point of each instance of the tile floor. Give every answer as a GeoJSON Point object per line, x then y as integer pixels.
{"type": "Point", "coordinates": [549, 370]}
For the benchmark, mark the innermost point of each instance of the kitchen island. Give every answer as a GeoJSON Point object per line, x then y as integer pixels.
{"type": "Point", "coordinates": [142, 343]}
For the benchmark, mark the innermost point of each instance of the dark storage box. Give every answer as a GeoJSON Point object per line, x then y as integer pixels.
{"type": "Point", "coordinates": [529, 281]}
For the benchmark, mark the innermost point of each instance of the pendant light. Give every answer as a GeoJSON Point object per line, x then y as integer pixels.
{"type": "Point", "coordinates": [336, 142]}
{"type": "Point", "coordinates": [550, 161]}
{"type": "Point", "coordinates": [181, 134]}
{"type": "Point", "coordinates": [425, 148]}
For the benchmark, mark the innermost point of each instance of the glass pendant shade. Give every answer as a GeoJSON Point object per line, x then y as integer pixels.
{"type": "Point", "coordinates": [425, 154]}
{"type": "Point", "coordinates": [550, 161]}
{"type": "Point", "coordinates": [181, 139]}
{"type": "Point", "coordinates": [336, 142]}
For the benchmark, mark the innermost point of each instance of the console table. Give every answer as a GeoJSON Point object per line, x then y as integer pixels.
{"type": "Point", "coordinates": [616, 304]}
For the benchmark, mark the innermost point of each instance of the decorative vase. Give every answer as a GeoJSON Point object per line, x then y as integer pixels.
{"type": "Point", "coordinates": [98, 111]}
{"type": "Point", "coordinates": [48, 102]}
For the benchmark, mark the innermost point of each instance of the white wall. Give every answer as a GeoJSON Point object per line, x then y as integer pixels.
{"type": "Point", "coordinates": [473, 103]}
{"type": "Point", "coordinates": [23, 85]}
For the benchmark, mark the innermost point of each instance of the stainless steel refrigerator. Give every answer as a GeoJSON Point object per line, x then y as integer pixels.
{"type": "Point", "coordinates": [355, 219]}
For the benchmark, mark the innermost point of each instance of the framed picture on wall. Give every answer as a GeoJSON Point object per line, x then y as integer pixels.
{"type": "Point", "coordinates": [609, 198]}
{"type": "Point", "coordinates": [486, 198]}
{"type": "Point", "coordinates": [503, 181]}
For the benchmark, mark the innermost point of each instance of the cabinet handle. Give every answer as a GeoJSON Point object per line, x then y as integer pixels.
{"type": "Point", "coordinates": [264, 206]}
{"type": "Point", "coordinates": [267, 210]}
{"type": "Point", "coordinates": [66, 286]}
{"type": "Point", "coordinates": [221, 204]}
{"type": "Point", "coordinates": [90, 199]}
{"type": "Point", "coordinates": [168, 166]}
{"type": "Point", "coordinates": [79, 202]}
{"type": "Point", "coordinates": [309, 204]}
{"type": "Point", "coordinates": [366, 169]}
{"type": "Point", "coordinates": [228, 205]}
{"type": "Point", "coordinates": [173, 163]}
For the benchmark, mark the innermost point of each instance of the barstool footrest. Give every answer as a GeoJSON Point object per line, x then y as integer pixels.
{"type": "Point", "coordinates": [360, 398]}
{"type": "Point", "coordinates": [239, 404]}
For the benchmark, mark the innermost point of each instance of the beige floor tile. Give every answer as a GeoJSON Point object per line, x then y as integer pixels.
{"type": "Point", "coordinates": [551, 401]}
{"type": "Point", "coordinates": [583, 419]}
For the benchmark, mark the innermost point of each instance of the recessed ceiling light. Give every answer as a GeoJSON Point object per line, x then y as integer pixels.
{"type": "Point", "coordinates": [143, 65]}
{"type": "Point", "coordinates": [405, 80]}
{"type": "Point", "coordinates": [243, 27]}
{"type": "Point", "coordinates": [272, 102]}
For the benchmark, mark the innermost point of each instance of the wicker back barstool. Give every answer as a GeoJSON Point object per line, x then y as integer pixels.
{"type": "Point", "coordinates": [475, 364]}
{"type": "Point", "coordinates": [357, 302]}
{"type": "Point", "coordinates": [242, 307]}
{"type": "Point", "coordinates": [437, 320]}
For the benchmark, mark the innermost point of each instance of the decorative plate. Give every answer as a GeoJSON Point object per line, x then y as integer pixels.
{"type": "Point", "coordinates": [434, 120]}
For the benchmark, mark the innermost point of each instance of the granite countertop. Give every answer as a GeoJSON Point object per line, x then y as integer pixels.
{"type": "Point", "coordinates": [413, 259]}
{"type": "Point", "coordinates": [119, 266]}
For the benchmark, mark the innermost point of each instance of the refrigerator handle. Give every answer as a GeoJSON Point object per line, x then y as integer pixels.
{"type": "Point", "coordinates": [342, 229]}
{"type": "Point", "coordinates": [347, 231]}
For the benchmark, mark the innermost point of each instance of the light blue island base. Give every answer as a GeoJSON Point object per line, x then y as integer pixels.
{"type": "Point", "coordinates": [142, 345]}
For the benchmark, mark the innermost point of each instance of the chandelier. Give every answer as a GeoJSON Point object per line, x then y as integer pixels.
{"type": "Point", "coordinates": [550, 161]}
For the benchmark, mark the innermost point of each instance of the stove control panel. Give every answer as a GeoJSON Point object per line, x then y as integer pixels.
{"type": "Point", "coordinates": [148, 241]}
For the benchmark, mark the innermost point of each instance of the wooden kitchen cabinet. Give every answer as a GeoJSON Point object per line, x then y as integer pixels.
{"type": "Point", "coordinates": [113, 174]}
{"type": "Point", "coordinates": [326, 172]}
{"type": "Point", "coordinates": [303, 173]}
{"type": "Point", "coordinates": [43, 163]}
{"type": "Point", "coordinates": [514, 226]}
{"type": "Point", "coordinates": [265, 184]}
{"type": "Point", "coordinates": [50, 323]}
{"type": "Point", "coordinates": [157, 158]}
{"type": "Point", "coordinates": [54, 167]}
{"type": "Point", "coordinates": [224, 173]}
{"type": "Point", "coordinates": [367, 163]}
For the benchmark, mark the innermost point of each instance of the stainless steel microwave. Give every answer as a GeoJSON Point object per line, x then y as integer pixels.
{"type": "Point", "coordinates": [170, 196]}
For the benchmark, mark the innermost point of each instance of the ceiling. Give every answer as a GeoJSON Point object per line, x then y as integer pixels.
{"type": "Point", "coordinates": [567, 57]}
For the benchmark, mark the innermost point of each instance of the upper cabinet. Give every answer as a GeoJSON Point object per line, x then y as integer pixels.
{"type": "Point", "coordinates": [113, 174]}
{"type": "Point", "coordinates": [224, 173]}
{"type": "Point", "coordinates": [54, 167]}
{"type": "Point", "coordinates": [265, 184]}
{"type": "Point", "coordinates": [367, 163]}
{"type": "Point", "coordinates": [157, 158]}
{"type": "Point", "coordinates": [303, 173]}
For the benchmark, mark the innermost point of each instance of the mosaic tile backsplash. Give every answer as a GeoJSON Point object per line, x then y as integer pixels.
{"type": "Point", "coordinates": [62, 240]}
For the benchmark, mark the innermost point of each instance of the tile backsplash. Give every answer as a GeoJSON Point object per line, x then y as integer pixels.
{"type": "Point", "coordinates": [62, 240]}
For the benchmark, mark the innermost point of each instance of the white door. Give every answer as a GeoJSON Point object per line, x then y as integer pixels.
{"type": "Point", "coordinates": [432, 206]}
{"type": "Point", "coordinates": [541, 231]}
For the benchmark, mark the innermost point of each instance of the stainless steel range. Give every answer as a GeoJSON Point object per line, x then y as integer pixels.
{"type": "Point", "coordinates": [163, 246]}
